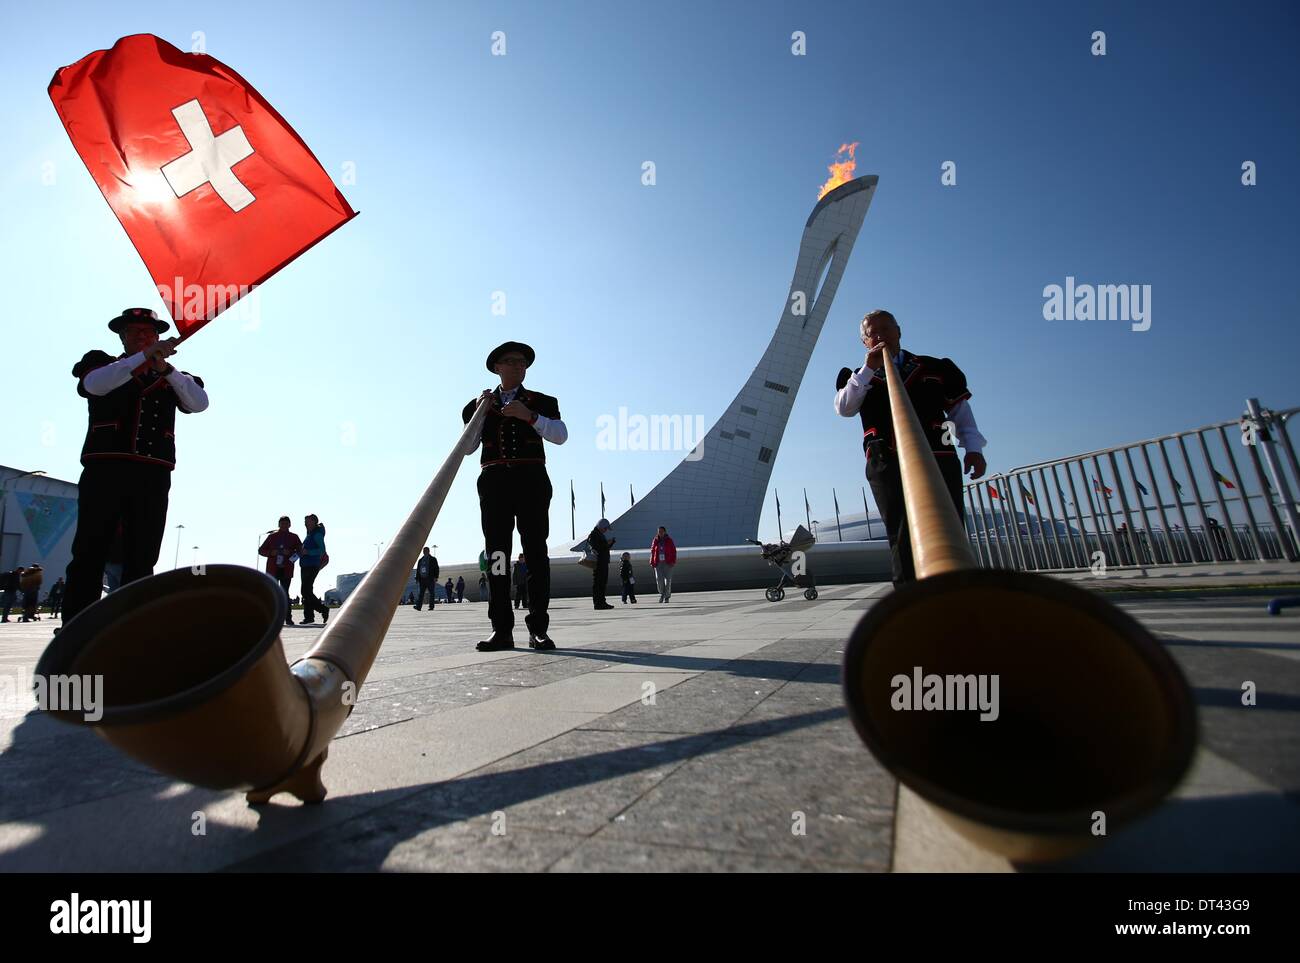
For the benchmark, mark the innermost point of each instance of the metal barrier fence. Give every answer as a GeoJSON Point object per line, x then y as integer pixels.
{"type": "Point", "coordinates": [1082, 512]}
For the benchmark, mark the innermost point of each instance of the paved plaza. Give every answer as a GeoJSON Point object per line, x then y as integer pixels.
{"type": "Point", "coordinates": [703, 735]}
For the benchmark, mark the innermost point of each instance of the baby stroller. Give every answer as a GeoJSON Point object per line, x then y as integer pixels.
{"type": "Point", "coordinates": [782, 557]}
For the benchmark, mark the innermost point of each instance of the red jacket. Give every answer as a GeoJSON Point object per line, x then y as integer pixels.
{"type": "Point", "coordinates": [283, 545]}
{"type": "Point", "coordinates": [663, 550]}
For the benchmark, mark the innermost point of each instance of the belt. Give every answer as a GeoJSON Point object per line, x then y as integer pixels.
{"type": "Point", "coordinates": [510, 462]}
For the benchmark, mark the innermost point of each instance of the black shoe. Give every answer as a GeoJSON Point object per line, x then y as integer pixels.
{"type": "Point", "coordinates": [498, 642]}
{"type": "Point", "coordinates": [604, 605]}
{"type": "Point", "coordinates": [541, 641]}
{"type": "Point", "coordinates": [307, 622]}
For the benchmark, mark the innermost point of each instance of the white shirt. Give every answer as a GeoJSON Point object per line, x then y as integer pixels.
{"type": "Point", "coordinates": [551, 429]}
{"type": "Point", "coordinates": [103, 380]}
{"type": "Point", "coordinates": [848, 401]}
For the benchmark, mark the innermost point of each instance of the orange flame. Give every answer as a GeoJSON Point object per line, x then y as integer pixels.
{"type": "Point", "coordinates": [842, 170]}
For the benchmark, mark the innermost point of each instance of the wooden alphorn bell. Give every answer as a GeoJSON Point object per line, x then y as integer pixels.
{"type": "Point", "coordinates": [1092, 716]}
{"type": "Point", "coordinates": [195, 681]}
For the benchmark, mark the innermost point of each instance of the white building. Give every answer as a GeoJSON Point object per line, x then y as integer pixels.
{"type": "Point", "coordinates": [38, 518]}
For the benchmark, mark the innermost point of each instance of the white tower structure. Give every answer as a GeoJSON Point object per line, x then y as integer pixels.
{"type": "Point", "coordinates": [715, 496]}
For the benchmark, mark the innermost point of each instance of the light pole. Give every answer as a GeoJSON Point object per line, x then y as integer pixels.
{"type": "Point", "coordinates": [4, 501]}
{"type": "Point", "coordinates": [377, 547]}
{"type": "Point", "coordinates": [176, 560]}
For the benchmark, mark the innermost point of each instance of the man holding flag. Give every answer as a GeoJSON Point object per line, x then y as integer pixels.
{"type": "Point", "coordinates": [129, 452]}
{"type": "Point", "coordinates": [217, 193]}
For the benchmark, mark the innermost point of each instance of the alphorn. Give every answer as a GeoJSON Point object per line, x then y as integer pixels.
{"type": "Point", "coordinates": [1095, 723]}
{"type": "Point", "coordinates": [195, 680]}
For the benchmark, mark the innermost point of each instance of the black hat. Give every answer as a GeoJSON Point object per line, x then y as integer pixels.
{"type": "Point", "coordinates": [131, 315]}
{"type": "Point", "coordinates": [529, 354]}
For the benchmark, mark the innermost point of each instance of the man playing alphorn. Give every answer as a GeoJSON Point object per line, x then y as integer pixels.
{"type": "Point", "coordinates": [937, 389]}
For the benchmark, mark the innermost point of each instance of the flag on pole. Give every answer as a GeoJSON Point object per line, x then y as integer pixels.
{"type": "Point", "coordinates": [1141, 487]}
{"type": "Point", "coordinates": [213, 187]}
{"type": "Point", "coordinates": [602, 499]}
{"type": "Point", "coordinates": [866, 511]}
{"type": "Point", "coordinates": [1221, 480]}
{"type": "Point", "coordinates": [629, 493]}
{"type": "Point", "coordinates": [838, 530]}
{"type": "Point", "coordinates": [1027, 494]}
{"type": "Point", "coordinates": [807, 514]}
{"type": "Point", "coordinates": [1064, 500]}
{"type": "Point", "coordinates": [993, 492]}
{"type": "Point", "coordinates": [573, 507]}
{"type": "Point", "coordinates": [780, 530]}
{"type": "Point", "coordinates": [1099, 488]}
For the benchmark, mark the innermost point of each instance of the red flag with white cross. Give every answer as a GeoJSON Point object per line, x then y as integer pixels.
{"type": "Point", "coordinates": [214, 188]}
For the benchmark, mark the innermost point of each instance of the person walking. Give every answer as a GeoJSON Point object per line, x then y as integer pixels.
{"type": "Point", "coordinates": [450, 590]}
{"type": "Point", "coordinates": [520, 579]}
{"type": "Point", "coordinates": [426, 579]}
{"type": "Point", "coordinates": [663, 556]}
{"type": "Point", "coordinates": [313, 559]}
{"type": "Point", "coordinates": [460, 588]}
{"type": "Point", "coordinates": [9, 582]}
{"type": "Point", "coordinates": [280, 548]}
{"type": "Point", "coordinates": [55, 598]}
{"type": "Point", "coordinates": [482, 587]}
{"type": "Point", "coordinates": [30, 584]}
{"type": "Point", "coordinates": [600, 575]}
{"type": "Point", "coordinates": [627, 578]}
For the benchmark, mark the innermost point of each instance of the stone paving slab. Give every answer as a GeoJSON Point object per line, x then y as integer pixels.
{"type": "Point", "coordinates": [743, 759]}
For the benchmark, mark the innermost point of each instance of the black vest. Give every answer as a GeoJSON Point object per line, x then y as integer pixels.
{"type": "Point", "coordinates": [135, 421]}
{"type": "Point", "coordinates": [509, 440]}
{"type": "Point", "coordinates": [934, 385]}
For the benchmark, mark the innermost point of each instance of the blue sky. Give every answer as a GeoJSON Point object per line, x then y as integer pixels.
{"type": "Point", "coordinates": [522, 174]}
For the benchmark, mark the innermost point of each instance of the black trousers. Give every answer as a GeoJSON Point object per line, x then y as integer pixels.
{"type": "Point", "coordinates": [112, 491]}
{"type": "Point", "coordinates": [887, 488]}
{"type": "Point", "coordinates": [511, 496]}
{"type": "Point", "coordinates": [599, 579]}
{"type": "Point", "coordinates": [431, 588]}
{"type": "Point", "coordinates": [285, 581]}
{"type": "Point", "coordinates": [310, 603]}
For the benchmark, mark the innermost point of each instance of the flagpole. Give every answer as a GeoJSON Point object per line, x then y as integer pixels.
{"type": "Point", "coordinates": [573, 504]}
{"type": "Point", "coordinates": [839, 530]}
{"type": "Point", "coordinates": [780, 530]}
{"type": "Point", "coordinates": [866, 511]}
{"type": "Point", "coordinates": [630, 496]}
{"type": "Point", "coordinates": [807, 517]}
{"type": "Point", "coordinates": [602, 499]}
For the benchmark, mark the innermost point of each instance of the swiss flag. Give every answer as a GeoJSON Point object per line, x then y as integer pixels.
{"type": "Point", "coordinates": [214, 188]}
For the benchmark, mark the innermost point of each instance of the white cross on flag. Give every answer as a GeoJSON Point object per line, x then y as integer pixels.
{"type": "Point", "coordinates": [214, 188]}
